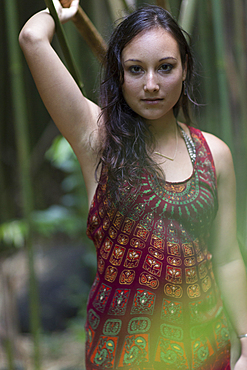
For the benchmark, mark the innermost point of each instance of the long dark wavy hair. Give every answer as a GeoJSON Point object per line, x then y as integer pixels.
{"type": "Point", "coordinates": [126, 136]}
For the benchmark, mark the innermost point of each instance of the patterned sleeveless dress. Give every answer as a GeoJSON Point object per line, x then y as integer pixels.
{"type": "Point", "coordinates": [154, 303]}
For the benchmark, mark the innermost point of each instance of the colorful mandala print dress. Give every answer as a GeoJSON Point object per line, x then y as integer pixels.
{"type": "Point", "coordinates": [154, 303]}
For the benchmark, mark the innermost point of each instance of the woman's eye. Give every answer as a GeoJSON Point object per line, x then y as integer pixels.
{"type": "Point", "coordinates": [135, 69]}
{"type": "Point", "coordinates": [166, 67]}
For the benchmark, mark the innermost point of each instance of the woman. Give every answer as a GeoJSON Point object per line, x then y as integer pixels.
{"type": "Point", "coordinates": [163, 189]}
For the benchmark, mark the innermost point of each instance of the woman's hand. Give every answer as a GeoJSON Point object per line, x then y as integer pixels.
{"type": "Point", "coordinates": [66, 13]}
{"type": "Point", "coordinates": [241, 364]}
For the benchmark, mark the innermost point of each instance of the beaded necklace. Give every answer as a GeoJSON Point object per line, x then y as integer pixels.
{"type": "Point", "coordinates": [189, 145]}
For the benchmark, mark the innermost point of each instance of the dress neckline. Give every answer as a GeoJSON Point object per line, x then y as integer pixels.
{"type": "Point", "coordinates": [191, 147]}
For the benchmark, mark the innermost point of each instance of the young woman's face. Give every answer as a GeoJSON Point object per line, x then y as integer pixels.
{"type": "Point", "coordinates": [153, 74]}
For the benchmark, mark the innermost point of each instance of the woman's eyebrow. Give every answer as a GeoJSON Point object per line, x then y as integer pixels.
{"type": "Point", "coordinates": [139, 61]}
{"type": "Point", "coordinates": [167, 58]}
{"type": "Point", "coordinates": [132, 60]}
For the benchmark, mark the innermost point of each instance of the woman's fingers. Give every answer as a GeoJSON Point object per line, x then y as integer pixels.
{"type": "Point", "coordinates": [65, 13]}
{"type": "Point", "coordinates": [74, 5]}
{"type": "Point", "coordinates": [65, 3]}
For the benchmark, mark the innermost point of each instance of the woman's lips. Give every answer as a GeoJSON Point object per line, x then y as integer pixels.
{"type": "Point", "coordinates": [152, 101]}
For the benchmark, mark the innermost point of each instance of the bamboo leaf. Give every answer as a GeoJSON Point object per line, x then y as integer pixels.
{"type": "Point", "coordinates": [187, 14]}
{"type": "Point", "coordinates": [64, 45]}
{"type": "Point", "coordinates": [164, 4]}
{"type": "Point", "coordinates": [117, 9]}
{"type": "Point", "coordinates": [127, 6]}
{"type": "Point", "coordinates": [221, 75]}
{"type": "Point", "coordinates": [241, 61]}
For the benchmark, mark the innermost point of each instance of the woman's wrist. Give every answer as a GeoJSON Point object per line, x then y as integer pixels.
{"type": "Point", "coordinates": [243, 341]}
{"type": "Point", "coordinates": [242, 336]}
{"type": "Point", "coordinates": [47, 11]}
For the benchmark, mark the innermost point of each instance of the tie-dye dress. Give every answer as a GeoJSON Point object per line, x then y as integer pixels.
{"type": "Point", "coordinates": [154, 303]}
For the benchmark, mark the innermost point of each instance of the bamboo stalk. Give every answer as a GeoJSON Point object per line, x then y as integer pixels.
{"type": "Point", "coordinates": [241, 71]}
{"type": "Point", "coordinates": [164, 4]}
{"type": "Point", "coordinates": [88, 31]}
{"type": "Point", "coordinates": [10, 356]}
{"type": "Point", "coordinates": [241, 60]}
{"type": "Point", "coordinates": [226, 123]}
{"type": "Point", "coordinates": [9, 317]}
{"type": "Point", "coordinates": [64, 45]}
{"type": "Point", "coordinates": [20, 118]}
{"type": "Point", "coordinates": [4, 204]}
{"type": "Point", "coordinates": [207, 55]}
{"type": "Point", "coordinates": [187, 14]}
{"type": "Point", "coordinates": [90, 34]}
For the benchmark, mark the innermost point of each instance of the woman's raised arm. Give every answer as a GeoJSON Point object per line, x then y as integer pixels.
{"type": "Point", "coordinates": [75, 116]}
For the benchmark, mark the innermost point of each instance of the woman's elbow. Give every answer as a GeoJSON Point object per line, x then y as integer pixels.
{"type": "Point", "coordinates": [28, 37]}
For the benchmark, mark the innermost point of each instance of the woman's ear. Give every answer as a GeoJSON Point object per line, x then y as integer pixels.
{"type": "Point", "coordinates": [185, 68]}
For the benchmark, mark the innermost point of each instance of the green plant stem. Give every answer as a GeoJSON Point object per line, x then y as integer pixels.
{"type": "Point", "coordinates": [9, 352]}
{"type": "Point", "coordinates": [20, 117]}
{"type": "Point", "coordinates": [64, 45]}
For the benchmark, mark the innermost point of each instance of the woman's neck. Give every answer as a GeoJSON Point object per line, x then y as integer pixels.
{"type": "Point", "coordinates": [163, 130]}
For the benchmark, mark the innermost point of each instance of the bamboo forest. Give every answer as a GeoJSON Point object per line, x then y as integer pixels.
{"type": "Point", "coordinates": [47, 263]}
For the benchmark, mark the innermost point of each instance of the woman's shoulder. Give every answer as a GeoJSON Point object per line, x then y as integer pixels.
{"type": "Point", "coordinates": [221, 154]}
{"type": "Point", "coordinates": [220, 151]}
{"type": "Point", "coordinates": [217, 146]}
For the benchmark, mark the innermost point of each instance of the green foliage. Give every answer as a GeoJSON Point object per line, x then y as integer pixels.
{"type": "Point", "coordinates": [71, 215]}
{"type": "Point", "coordinates": [56, 219]}
{"type": "Point", "coordinates": [13, 233]}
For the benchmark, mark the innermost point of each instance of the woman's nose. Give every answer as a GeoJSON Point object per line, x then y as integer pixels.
{"type": "Point", "coordinates": [151, 84]}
